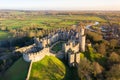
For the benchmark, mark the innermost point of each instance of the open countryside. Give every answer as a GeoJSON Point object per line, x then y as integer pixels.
{"type": "Point", "coordinates": [60, 40]}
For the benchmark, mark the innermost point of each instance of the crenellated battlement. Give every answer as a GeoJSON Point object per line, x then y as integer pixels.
{"type": "Point", "coordinates": [36, 56]}
{"type": "Point", "coordinates": [71, 45]}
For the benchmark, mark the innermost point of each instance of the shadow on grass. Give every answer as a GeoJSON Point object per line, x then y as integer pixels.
{"type": "Point", "coordinates": [71, 72]}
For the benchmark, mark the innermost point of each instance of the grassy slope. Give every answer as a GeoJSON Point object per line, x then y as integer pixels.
{"type": "Point", "coordinates": [49, 68]}
{"type": "Point", "coordinates": [18, 71]}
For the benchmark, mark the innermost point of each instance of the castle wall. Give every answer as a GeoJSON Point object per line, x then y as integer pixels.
{"type": "Point", "coordinates": [36, 56]}
{"type": "Point", "coordinates": [26, 58]}
{"type": "Point", "coordinates": [23, 49]}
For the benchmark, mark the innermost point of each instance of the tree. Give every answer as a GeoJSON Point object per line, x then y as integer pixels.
{"type": "Point", "coordinates": [113, 43]}
{"type": "Point", "coordinates": [39, 33]}
{"type": "Point", "coordinates": [84, 69]}
{"type": "Point", "coordinates": [95, 37]}
{"type": "Point", "coordinates": [114, 73]}
{"type": "Point", "coordinates": [102, 49]}
{"type": "Point", "coordinates": [32, 34]}
{"type": "Point", "coordinates": [98, 69]}
{"type": "Point", "coordinates": [114, 58]}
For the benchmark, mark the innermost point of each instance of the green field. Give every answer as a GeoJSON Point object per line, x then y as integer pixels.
{"type": "Point", "coordinates": [47, 21]}
{"type": "Point", "coordinates": [57, 47]}
{"type": "Point", "coordinates": [49, 68]}
{"type": "Point", "coordinates": [4, 35]}
{"type": "Point", "coordinates": [44, 21]}
{"type": "Point", "coordinates": [83, 17]}
{"type": "Point", "coordinates": [18, 71]}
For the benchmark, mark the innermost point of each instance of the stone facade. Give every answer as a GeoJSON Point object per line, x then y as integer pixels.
{"type": "Point", "coordinates": [73, 58]}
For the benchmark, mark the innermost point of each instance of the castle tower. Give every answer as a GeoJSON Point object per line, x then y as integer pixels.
{"type": "Point", "coordinates": [82, 31]}
{"type": "Point", "coordinates": [82, 39]}
{"type": "Point", "coordinates": [83, 43]}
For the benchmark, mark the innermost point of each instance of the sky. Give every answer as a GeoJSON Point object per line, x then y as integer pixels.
{"type": "Point", "coordinates": [60, 4]}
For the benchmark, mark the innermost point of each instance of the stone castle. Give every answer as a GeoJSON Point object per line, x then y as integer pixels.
{"type": "Point", "coordinates": [74, 44]}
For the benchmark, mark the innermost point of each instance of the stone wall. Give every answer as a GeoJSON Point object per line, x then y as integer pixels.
{"type": "Point", "coordinates": [29, 71]}
{"type": "Point", "coordinates": [36, 56]}
{"type": "Point", "coordinates": [23, 49]}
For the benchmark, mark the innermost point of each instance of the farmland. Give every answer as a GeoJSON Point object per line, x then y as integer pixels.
{"type": "Point", "coordinates": [47, 21]}
{"type": "Point", "coordinates": [17, 21]}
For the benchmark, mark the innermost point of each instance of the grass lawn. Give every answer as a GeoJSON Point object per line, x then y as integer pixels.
{"type": "Point", "coordinates": [18, 71]}
{"type": "Point", "coordinates": [4, 35]}
{"type": "Point", "coordinates": [57, 47]}
{"type": "Point", "coordinates": [49, 68]}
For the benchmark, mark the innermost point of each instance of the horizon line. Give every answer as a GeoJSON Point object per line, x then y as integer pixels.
{"type": "Point", "coordinates": [59, 10]}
